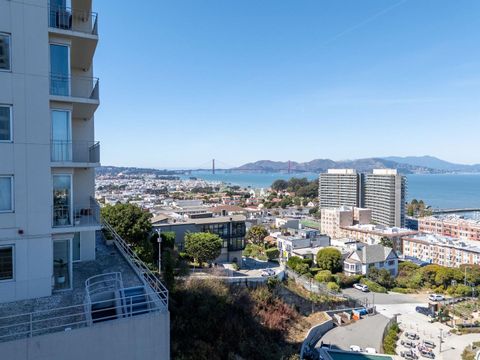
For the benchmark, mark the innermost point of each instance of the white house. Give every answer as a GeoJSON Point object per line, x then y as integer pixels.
{"type": "Point", "coordinates": [360, 261]}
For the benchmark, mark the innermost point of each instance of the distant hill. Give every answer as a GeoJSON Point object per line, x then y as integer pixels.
{"type": "Point", "coordinates": [322, 165]}
{"type": "Point", "coordinates": [434, 163]}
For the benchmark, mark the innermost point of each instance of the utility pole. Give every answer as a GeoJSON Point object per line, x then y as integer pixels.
{"type": "Point", "coordinates": [441, 340]}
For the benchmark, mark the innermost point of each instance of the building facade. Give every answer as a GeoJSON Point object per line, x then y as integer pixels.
{"type": "Point", "coordinates": [340, 187]}
{"type": "Point", "coordinates": [452, 226]}
{"type": "Point", "coordinates": [385, 193]}
{"type": "Point", "coordinates": [441, 250]}
{"type": "Point", "coordinates": [231, 229]}
{"type": "Point", "coordinates": [48, 97]}
{"type": "Point", "coordinates": [360, 262]}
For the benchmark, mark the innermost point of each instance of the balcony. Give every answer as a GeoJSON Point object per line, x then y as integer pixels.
{"type": "Point", "coordinates": [66, 18]}
{"type": "Point", "coordinates": [80, 27]}
{"type": "Point", "coordinates": [75, 153]}
{"type": "Point", "coordinates": [82, 91]}
{"type": "Point", "coordinates": [80, 215]}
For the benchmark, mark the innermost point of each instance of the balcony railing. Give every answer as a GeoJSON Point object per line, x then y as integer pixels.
{"type": "Point", "coordinates": [74, 86]}
{"type": "Point", "coordinates": [148, 278]}
{"type": "Point", "coordinates": [65, 18]}
{"type": "Point", "coordinates": [44, 322]}
{"type": "Point", "coordinates": [75, 151]}
{"type": "Point", "coordinates": [80, 215]}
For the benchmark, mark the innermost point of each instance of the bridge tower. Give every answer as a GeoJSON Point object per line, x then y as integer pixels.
{"type": "Point", "coordinates": [213, 166]}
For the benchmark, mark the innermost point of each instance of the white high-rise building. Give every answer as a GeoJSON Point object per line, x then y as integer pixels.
{"type": "Point", "coordinates": [58, 278]}
{"type": "Point", "coordinates": [48, 98]}
{"type": "Point", "coordinates": [385, 193]}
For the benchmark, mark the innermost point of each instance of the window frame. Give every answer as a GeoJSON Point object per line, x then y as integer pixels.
{"type": "Point", "coordinates": [10, 107]}
{"type": "Point", "coordinates": [12, 246]}
{"type": "Point", "coordinates": [9, 36]}
{"type": "Point", "coordinates": [12, 200]}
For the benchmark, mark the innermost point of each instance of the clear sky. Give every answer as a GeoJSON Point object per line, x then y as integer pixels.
{"type": "Point", "coordinates": [185, 81]}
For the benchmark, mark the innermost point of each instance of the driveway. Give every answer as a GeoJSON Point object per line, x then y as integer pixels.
{"type": "Point", "coordinates": [366, 332]}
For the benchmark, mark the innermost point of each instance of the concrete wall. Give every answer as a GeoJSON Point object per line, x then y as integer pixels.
{"type": "Point", "coordinates": [137, 338]}
{"type": "Point", "coordinates": [314, 335]}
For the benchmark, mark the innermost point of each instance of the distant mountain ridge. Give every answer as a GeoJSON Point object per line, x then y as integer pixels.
{"type": "Point", "coordinates": [434, 163]}
{"type": "Point", "coordinates": [322, 165]}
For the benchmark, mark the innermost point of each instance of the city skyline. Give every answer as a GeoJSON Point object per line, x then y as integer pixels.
{"type": "Point", "coordinates": [248, 81]}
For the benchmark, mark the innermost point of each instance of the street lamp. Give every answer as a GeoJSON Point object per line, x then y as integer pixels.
{"type": "Point", "coordinates": [159, 240]}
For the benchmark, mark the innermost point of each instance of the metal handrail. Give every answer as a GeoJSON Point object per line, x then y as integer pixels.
{"type": "Point", "coordinates": [67, 18]}
{"type": "Point", "coordinates": [74, 86]}
{"type": "Point", "coordinates": [146, 275]}
{"type": "Point", "coordinates": [75, 151]}
{"type": "Point", "coordinates": [125, 309]}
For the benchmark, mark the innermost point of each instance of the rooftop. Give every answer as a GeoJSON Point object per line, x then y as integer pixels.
{"type": "Point", "coordinates": [447, 241]}
{"type": "Point", "coordinates": [380, 230]}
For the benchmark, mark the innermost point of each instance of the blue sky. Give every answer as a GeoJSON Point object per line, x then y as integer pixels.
{"type": "Point", "coordinates": [184, 81]}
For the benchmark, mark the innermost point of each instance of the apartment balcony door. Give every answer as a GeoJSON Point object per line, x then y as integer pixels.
{"type": "Point", "coordinates": [61, 135]}
{"type": "Point", "coordinates": [62, 200]}
{"type": "Point", "coordinates": [59, 70]}
{"type": "Point", "coordinates": [60, 14]}
{"type": "Point", "coordinates": [62, 264]}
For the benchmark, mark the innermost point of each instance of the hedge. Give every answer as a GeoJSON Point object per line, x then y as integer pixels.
{"type": "Point", "coordinates": [373, 286]}
{"type": "Point", "coordinates": [272, 253]}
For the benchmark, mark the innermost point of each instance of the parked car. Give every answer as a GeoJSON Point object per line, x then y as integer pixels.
{"type": "Point", "coordinates": [370, 350]}
{"type": "Point", "coordinates": [429, 344]}
{"type": "Point", "coordinates": [424, 310]}
{"type": "Point", "coordinates": [436, 297]}
{"type": "Point", "coordinates": [412, 336]}
{"type": "Point", "coordinates": [355, 348]}
{"type": "Point", "coordinates": [408, 344]}
{"type": "Point", "coordinates": [361, 287]}
{"type": "Point", "coordinates": [427, 354]}
{"type": "Point", "coordinates": [409, 354]}
{"type": "Point", "coordinates": [268, 272]}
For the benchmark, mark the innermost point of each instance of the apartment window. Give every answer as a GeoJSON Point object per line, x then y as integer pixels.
{"type": "Point", "coordinates": [6, 193]}
{"type": "Point", "coordinates": [6, 263]}
{"type": "Point", "coordinates": [4, 51]}
{"type": "Point", "coordinates": [5, 123]}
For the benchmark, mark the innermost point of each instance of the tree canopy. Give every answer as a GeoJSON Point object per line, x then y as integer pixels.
{"type": "Point", "coordinates": [329, 259]}
{"type": "Point", "coordinates": [203, 247]}
{"type": "Point", "coordinates": [129, 221]}
{"type": "Point", "coordinates": [256, 234]}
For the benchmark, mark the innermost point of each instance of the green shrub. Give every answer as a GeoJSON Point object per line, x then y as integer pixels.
{"type": "Point", "coordinates": [315, 271]}
{"type": "Point", "coordinates": [403, 290]}
{"type": "Point", "coordinates": [302, 269]}
{"type": "Point", "coordinates": [333, 286]}
{"type": "Point", "coordinates": [373, 286]}
{"type": "Point", "coordinates": [390, 340]}
{"type": "Point", "coordinates": [324, 276]}
{"type": "Point", "coordinates": [293, 261]}
{"type": "Point", "coordinates": [262, 257]}
{"type": "Point", "coordinates": [309, 262]}
{"type": "Point", "coordinates": [345, 281]}
{"type": "Point", "coordinates": [272, 253]}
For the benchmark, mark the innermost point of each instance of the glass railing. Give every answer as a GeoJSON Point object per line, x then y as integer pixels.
{"type": "Point", "coordinates": [75, 151]}
{"type": "Point", "coordinates": [65, 215]}
{"type": "Point", "coordinates": [65, 18]}
{"type": "Point", "coordinates": [74, 86]}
